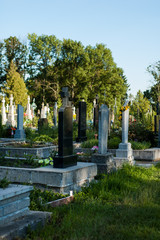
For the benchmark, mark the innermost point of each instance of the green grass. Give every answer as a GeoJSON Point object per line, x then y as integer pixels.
{"type": "Point", "coordinates": [123, 205]}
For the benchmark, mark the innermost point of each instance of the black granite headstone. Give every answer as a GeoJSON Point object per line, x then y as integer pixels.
{"type": "Point", "coordinates": [82, 123]}
{"type": "Point", "coordinates": [96, 115]}
{"type": "Point", "coordinates": [65, 157]}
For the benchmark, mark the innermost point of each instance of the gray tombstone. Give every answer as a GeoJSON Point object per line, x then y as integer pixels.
{"type": "Point", "coordinates": [96, 113]}
{"type": "Point", "coordinates": [82, 122]}
{"type": "Point", "coordinates": [65, 157]}
{"type": "Point", "coordinates": [125, 151]}
{"type": "Point", "coordinates": [20, 131]}
{"type": "Point", "coordinates": [3, 112]}
{"type": "Point", "coordinates": [103, 158]}
{"type": "Point", "coordinates": [103, 129]}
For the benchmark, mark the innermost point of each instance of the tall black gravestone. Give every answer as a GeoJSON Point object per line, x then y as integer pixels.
{"type": "Point", "coordinates": [96, 114]}
{"type": "Point", "coordinates": [82, 123]}
{"type": "Point", "coordinates": [65, 156]}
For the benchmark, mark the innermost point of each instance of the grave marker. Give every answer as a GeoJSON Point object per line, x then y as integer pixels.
{"type": "Point", "coordinates": [65, 156]}
{"type": "Point", "coordinates": [20, 131]}
{"type": "Point", "coordinates": [3, 112]}
{"type": "Point", "coordinates": [125, 151]}
{"type": "Point", "coordinates": [82, 122]}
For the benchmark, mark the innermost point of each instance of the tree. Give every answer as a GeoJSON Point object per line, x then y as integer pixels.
{"type": "Point", "coordinates": [43, 51]}
{"type": "Point", "coordinates": [140, 106]}
{"type": "Point", "coordinates": [105, 78]}
{"type": "Point", "coordinates": [15, 85]}
{"type": "Point", "coordinates": [72, 69]}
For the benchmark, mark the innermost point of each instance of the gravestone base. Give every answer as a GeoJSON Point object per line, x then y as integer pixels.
{"type": "Point", "coordinates": [124, 150]}
{"type": "Point", "coordinates": [65, 161]}
{"type": "Point", "coordinates": [20, 134]}
{"type": "Point", "coordinates": [105, 163]}
{"type": "Point", "coordinates": [119, 162]}
{"type": "Point", "coordinates": [124, 154]}
{"type": "Point", "coordinates": [61, 180]}
{"type": "Point", "coordinates": [14, 202]}
{"type": "Point", "coordinates": [18, 228]}
{"type": "Point", "coordinates": [81, 139]}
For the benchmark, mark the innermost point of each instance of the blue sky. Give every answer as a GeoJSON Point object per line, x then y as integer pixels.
{"type": "Point", "coordinates": [129, 28]}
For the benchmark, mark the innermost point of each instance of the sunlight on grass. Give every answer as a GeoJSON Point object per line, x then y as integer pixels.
{"type": "Point", "coordinates": [122, 205]}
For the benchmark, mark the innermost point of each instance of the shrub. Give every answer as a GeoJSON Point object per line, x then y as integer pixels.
{"type": "Point", "coordinates": [140, 145]}
{"type": "Point", "coordinates": [89, 143]}
{"type": "Point", "coordinates": [43, 138]}
{"type": "Point", "coordinates": [114, 142]}
{"type": "Point", "coordinates": [139, 132]}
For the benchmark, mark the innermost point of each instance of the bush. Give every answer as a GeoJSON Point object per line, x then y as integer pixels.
{"type": "Point", "coordinates": [138, 132]}
{"type": "Point", "coordinates": [89, 143]}
{"type": "Point", "coordinates": [114, 142]}
{"type": "Point", "coordinates": [43, 138]}
{"type": "Point", "coordinates": [140, 145]}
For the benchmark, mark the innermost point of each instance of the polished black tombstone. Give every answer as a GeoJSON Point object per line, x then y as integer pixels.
{"type": "Point", "coordinates": [82, 123]}
{"type": "Point", "coordinates": [65, 157]}
{"type": "Point", "coordinates": [96, 114]}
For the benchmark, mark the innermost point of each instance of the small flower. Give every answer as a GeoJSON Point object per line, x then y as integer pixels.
{"type": "Point", "coordinates": [79, 153]}
{"type": "Point", "coordinates": [94, 148]}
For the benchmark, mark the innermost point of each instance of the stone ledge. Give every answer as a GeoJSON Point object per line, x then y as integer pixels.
{"type": "Point", "coordinates": [60, 179]}
{"type": "Point", "coordinates": [19, 226]}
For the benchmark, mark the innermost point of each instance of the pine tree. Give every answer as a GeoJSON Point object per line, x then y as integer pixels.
{"type": "Point", "coordinates": [15, 85]}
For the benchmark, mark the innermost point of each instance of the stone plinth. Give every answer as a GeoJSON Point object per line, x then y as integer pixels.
{"type": "Point", "coordinates": [42, 152]}
{"type": "Point", "coordinates": [125, 153]}
{"type": "Point", "coordinates": [124, 150]}
{"type": "Point", "coordinates": [104, 162]}
{"type": "Point", "coordinates": [14, 202]}
{"type": "Point", "coordinates": [60, 179]}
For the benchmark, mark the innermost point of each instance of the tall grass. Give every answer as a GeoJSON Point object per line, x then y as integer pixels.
{"type": "Point", "coordinates": [123, 205]}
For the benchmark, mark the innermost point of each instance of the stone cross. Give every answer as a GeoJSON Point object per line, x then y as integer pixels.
{"type": "Point", "coordinates": [3, 112]}
{"type": "Point", "coordinates": [29, 114]}
{"type": "Point", "coordinates": [43, 111]}
{"type": "Point", "coordinates": [125, 124]}
{"type": "Point", "coordinates": [103, 129]}
{"type": "Point", "coordinates": [34, 106]}
{"type": "Point", "coordinates": [11, 121]}
{"type": "Point", "coordinates": [11, 99]}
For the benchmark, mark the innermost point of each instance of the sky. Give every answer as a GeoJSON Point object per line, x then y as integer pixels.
{"type": "Point", "coordinates": [129, 28]}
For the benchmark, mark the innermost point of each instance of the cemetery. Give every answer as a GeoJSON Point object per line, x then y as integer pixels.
{"type": "Point", "coordinates": [78, 157]}
{"type": "Point", "coordinates": [72, 165]}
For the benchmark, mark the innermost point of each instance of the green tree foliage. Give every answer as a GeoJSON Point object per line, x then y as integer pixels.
{"type": "Point", "coordinates": [153, 94]}
{"type": "Point", "coordinates": [43, 51]}
{"type": "Point", "coordinates": [105, 78]}
{"type": "Point", "coordinates": [11, 49]}
{"type": "Point", "coordinates": [140, 106]}
{"type": "Point", "coordinates": [72, 68]}
{"type": "Point", "coordinates": [15, 85]}
{"type": "Point", "coordinates": [52, 64]}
